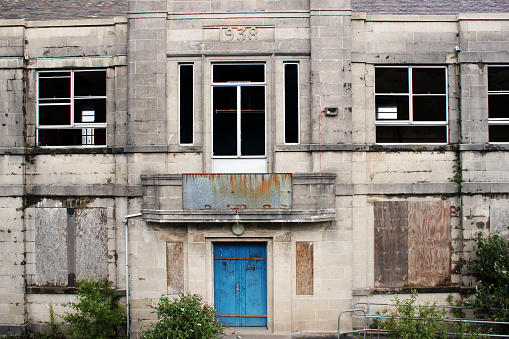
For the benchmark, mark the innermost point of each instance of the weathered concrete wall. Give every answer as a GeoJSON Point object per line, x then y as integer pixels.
{"type": "Point", "coordinates": [84, 193]}
{"type": "Point", "coordinates": [12, 266]}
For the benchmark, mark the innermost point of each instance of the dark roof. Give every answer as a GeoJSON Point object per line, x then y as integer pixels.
{"type": "Point", "coordinates": [61, 9]}
{"type": "Point", "coordinates": [427, 7]}
{"type": "Point", "coordinates": [80, 9]}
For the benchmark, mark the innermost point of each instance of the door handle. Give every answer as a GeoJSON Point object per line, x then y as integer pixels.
{"type": "Point", "coordinates": [237, 287]}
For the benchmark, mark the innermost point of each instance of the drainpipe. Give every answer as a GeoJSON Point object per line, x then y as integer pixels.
{"type": "Point", "coordinates": [125, 222]}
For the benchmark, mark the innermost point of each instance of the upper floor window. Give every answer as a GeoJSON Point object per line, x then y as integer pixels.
{"type": "Point", "coordinates": [71, 108]}
{"type": "Point", "coordinates": [238, 94]}
{"type": "Point", "coordinates": [186, 103]}
{"type": "Point", "coordinates": [291, 89]}
{"type": "Point", "coordinates": [411, 104]}
{"type": "Point", "coordinates": [498, 102]}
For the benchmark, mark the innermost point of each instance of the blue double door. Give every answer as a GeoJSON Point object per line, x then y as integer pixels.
{"type": "Point", "coordinates": [240, 283]}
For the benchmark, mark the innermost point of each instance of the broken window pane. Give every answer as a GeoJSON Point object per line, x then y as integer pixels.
{"type": "Point", "coordinates": [428, 80]}
{"type": "Point", "coordinates": [499, 133]}
{"type": "Point", "coordinates": [55, 115]}
{"type": "Point", "coordinates": [89, 110]}
{"type": "Point", "coordinates": [54, 88]}
{"type": "Point", "coordinates": [498, 79]}
{"type": "Point", "coordinates": [498, 104]}
{"type": "Point", "coordinates": [75, 103]}
{"type": "Point", "coordinates": [391, 80]}
{"type": "Point", "coordinates": [186, 103]}
{"type": "Point", "coordinates": [90, 83]}
{"type": "Point", "coordinates": [291, 103]}
{"type": "Point", "coordinates": [429, 108]}
{"type": "Point", "coordinates": [411, 134]}
{"type": "Point", "coordinates": [392, 107]}
{"type": "Point", "coordinates": [70, 137]}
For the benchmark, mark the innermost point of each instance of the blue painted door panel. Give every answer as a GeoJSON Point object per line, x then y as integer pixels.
{"type": "Point", "coordinates": [240, 283]}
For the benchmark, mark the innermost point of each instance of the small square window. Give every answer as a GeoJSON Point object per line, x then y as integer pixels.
{"type": "Point", "coordinates": [411, 104]}
{"type": "Point", "coordinates": [71, 108]}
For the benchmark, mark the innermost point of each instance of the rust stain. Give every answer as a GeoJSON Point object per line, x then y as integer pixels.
{"type": "Point", "coordinates": [239, 191]}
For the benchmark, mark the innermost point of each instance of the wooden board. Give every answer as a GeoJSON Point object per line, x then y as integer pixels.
{"type": "Point", "coordinates": [391, 243]}
{"type": "Point", "coordinates": [51, 246]}
{"type": "Point", "coordinates": [175, 267]}
{"type": "Point", "coordinates": [91, 241]}
{"type": "Point", "coordinates": [304, 267]}
{"type": "Point", "coordinates": [429, 243]}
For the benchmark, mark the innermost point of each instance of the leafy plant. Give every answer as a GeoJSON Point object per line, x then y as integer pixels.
{"type": "Point", "coordinates": [184, 317]}
{"type": "Point", "coordinates": [492, 270]}
{"type": "Point", "coordinates": [414, 321]}
{"type": "Point", "coordinates": [458, 175]}
{"type": "Point", "coordinates": [97, 312]}
{"type": "Point", "coordinates": [457, 306]}
{"type": "Point", "coordinates": [53, 326]}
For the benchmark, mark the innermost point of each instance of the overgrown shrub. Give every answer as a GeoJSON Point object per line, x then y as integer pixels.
{"type": "Point", "coordinates": [184, 317]}
{"type": "Point", "coordinates": [414, 321]}
{"type": "Point", "coordinates": [491, 268]}
{"type": "Point", "coordinates": [97, 312]}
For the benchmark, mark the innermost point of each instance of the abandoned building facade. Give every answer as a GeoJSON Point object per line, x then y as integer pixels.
{"type": "Point", "coordinates": [284, 159]}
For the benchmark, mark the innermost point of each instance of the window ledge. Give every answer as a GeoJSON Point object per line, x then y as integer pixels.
{"type": "Point", "coordinates": [74, 150]}
{"type": "Point", "coordinates": [59, 290]}
{"type": "Point", "coordinates": [400, 290]}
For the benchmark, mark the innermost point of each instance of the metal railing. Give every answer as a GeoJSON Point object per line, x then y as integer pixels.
{"type": "Point", "coordinates": [371, 320]}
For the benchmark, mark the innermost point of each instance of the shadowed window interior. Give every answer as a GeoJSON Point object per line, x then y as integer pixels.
{"type": "Point", "coordinates": [291, 103]}
{"type": "Point", "coordinates": [71, 108]}
{"type": "Point", "coordinates": [186, 103]}
{"type": "Point", "coordinates": [411, 104]}
{"type": "Point", "coordinates": [238, 95]}
{"type": "Point", "coordinates": [498, 103]}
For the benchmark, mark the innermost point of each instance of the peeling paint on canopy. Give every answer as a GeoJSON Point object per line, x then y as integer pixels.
{"type": "Point", "coordinates": [237, 191]}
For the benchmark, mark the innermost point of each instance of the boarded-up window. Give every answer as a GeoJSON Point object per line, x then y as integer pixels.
{"type": "Point", "coordinates": [70, 243]}
{"type": "Point", "coordinates": [51, 246]}
{"type": "Point", "coordinates": [499, 220]}
{"type": "Point", "coordinates": [412, 244]}
{"type": "Point", "coordinates": [175, 267]}
{"type": "Point", "coordinates": [91, 244]}
{"type": "Point", "coordinates": [304, 267]}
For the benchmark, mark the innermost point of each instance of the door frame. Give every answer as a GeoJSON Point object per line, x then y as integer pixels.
{"type": "Point", "coordinates": [209, 243]}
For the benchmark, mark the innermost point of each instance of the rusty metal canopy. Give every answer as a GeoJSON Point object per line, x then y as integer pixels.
{"type": "Point", "coordinates": [237, 191]}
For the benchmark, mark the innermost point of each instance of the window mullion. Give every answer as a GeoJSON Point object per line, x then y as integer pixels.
{"type": "Point", "coordinates": [72, 99]}
{"type": "Point", "coordinates": [410, 96]}
{"type": "Point", "coordinates": [239, 113]}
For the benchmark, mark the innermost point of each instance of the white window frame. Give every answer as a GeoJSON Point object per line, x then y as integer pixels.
{"type": "Point", "coordinates": [85, 127]}
{"type": "Point", "coordinates": [179, 103]}
{"type": "Point", "coordinates": [298, 102]}
{"type": "Point", "coordinates": [239, 85]}
{"type": "Point", "coordinates": [498, 121]}
{"type": "Point", "coordinates": [410, 94]}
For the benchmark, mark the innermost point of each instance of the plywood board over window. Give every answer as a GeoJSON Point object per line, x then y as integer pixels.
{"type": "Point", "coordinates": [412, 244]}
{"type": "Point", "coordinates": [304, 267]}
{"type": "Point", "coordinates": [391, 243]}
{"type": "Point", "coordinates": [71, 243]}
{"type": "Point", "coordinates": [175, 267]}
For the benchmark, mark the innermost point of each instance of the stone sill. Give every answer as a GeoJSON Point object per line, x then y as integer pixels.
{"type": "Point", "coordinates": [408, 290]}
{"type": "Point", "coordinates": [58, 290]}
